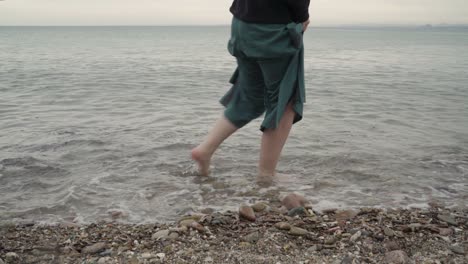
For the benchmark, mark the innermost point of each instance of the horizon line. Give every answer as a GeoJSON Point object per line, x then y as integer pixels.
{"type": "Point", "coordinates": [222, 25]}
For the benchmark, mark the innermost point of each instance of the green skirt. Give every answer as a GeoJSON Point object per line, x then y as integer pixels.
{"type": "Point", "coordinates": [269, 73]}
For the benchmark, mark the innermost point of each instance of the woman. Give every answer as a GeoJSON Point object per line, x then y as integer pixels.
{"type": "Point", "coordinates": [266, 39]}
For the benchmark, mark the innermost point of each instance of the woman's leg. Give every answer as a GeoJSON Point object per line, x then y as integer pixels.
{"type": "Point", "coordinates": [246, 105]}
{"type": "Point", "coordinates": [202, 154]}
{"type": "Point", "coordinates": [273, 141]}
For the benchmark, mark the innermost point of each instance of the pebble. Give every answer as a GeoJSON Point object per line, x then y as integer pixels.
{"type": "Point", "coordinates": [259, 207]}
{"type": "Point", "coordinates": [448, 219]}
{"type": "Point", "coordinates": [197, 226]}
{"type": "Point", "coordinates": [392, 246]}
{"type": "Point", "coordinates": [329, 211]}
{"type": "Point", "coordinates": [161, 255]}
{"type": "Point", "coordinates": [330, 240]}
{"type": "Point", "coordinates": [173, 236]}
{"type": "Point", "coordinates": [161, 234]}
{"type": "Point", "coordinates": [296, 231]}
{"type": "Point", "coordinates": [208, 259]}
{"type": "Point", "coordinates": [457, 249]}
{"type": "Point", "coordinates": [348, 260]}
{"type": "Point", "coordinates": [252, 237]}
{"type": "Point", "coordinates": [283, 226]}
{"type": "Point", "coordinates": [388, 231]}
{"type": "Point", "coordinates": [445, 231]}
{"type": "Point", "coordinates": [95, 248]}
{"type": "Point", "coordinates": [104, 260]}
{"type": "Point", "coordinates": [247, 212]}
{"type": "Point", "coordinates": [244, 244]}
{"type": "Point", "coordinates": [413, 227]}
{"type": "Point", "coordinates": [106, 253]}
{"type": "Point", "coordinates": [315, 248]}
{"type": "Point", "coordinates": [297, 211]}
{"type": "Point", "coordinates": [396, 257]}
{"type": "Point", "coordinates": [346, 215]}
{"type": "Point", "coordinates": [356, 236]}
{"type": "Point", "coordinates": [148, 256]}
{"type": "Point", "coordinates": [186, 222]}
{"type": "Point", "coordinates": [293, 200]}
{"type": "Point", "coordinates": [11, 257]}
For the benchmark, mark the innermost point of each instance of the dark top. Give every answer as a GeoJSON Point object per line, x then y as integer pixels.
{"type": "Point", "coordinates": [271, 11]}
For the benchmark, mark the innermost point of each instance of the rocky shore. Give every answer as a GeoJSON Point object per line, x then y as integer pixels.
{"type": "Point", "coordinates": [284, 230]}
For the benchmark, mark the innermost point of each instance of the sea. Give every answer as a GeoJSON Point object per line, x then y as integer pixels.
{"type": "Point", "coordinates": [97, 123]}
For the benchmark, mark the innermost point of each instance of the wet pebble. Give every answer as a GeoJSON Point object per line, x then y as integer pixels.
{"type": "Point", "coordinates": [260, 207]}
{"type": "Point", "coordinates": [247, 212]}
{"type": "Point", "coordinates": [297, 211]}
{"type": "Point", "coordinates": [344, 215]}
{"type": "Point", "coordinates": [293, 200]}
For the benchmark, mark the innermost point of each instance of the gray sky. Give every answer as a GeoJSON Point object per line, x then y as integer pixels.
{"type": "Point", "coordinates": [196, 12]}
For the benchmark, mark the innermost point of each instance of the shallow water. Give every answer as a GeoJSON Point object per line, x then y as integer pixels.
{"type": "Point", "coordinates": [101, 119]}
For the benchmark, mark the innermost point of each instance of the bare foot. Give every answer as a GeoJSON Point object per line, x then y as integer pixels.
{"type": "Point", "coordinates": [203, 161]}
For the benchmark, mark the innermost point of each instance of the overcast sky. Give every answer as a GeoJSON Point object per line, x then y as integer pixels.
{"type": "Point", "coordinates": [202, 12]}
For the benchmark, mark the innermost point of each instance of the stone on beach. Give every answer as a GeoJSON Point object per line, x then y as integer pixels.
{"type": "Point", "coordinates": [457, 249]}
{"type": "Point", "coordinates": [95, 248]}
{"type": "Point", "coordinates": [445, 231]}
{"type": "Point", "coordinates": [297, 211]}
{"type": "Point", "coordinates": [247, 212]}
{"type": "Point", "coordinates": [260, 207]}
{"type": "Point", "coordinates": [356, 236]}
{"type": "Point", "coordinates": [186, 222]}
{"type": "Point", "coordinates": [11, 257]}
{"type": "Point", "coordinates": [197, 226]}
{"type": "Point", "coordinates": [161, 234]}
{"type": "Point", "coordinates": [396, 257]}
{"type": "Point", "coordinates": [296, 231]}
{"type": "Point", "coordinates": [252, 237]}
{"type": "Point", "coordinates": [388, 231]}
{"type": "Point", "coordinates": [105, 260]}
{"type": "Point", "coordinates": [293, 200]}
{"type": "Point", "coordinates": [448, 219]}
{"type": "Point", "coordinates": [344, 215]}
{"type": "Point", "coordinates": [283, 226]}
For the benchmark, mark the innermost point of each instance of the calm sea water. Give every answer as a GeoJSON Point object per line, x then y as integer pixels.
{"type": "Point", "coordinates": [101, 119]}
